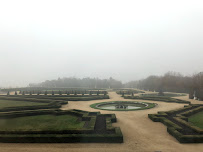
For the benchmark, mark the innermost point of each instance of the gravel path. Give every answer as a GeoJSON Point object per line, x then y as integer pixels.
{"type": "Point", "coordinates": [140, 133]}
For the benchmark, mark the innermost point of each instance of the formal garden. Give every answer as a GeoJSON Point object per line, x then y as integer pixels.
{"type": "Point", "coordinates": [165, 94]}
{"type": "Point", "coordinates": [184, 124]}
{"type": "Point", "coordinates": [164, 97]}
{"type": "Point", "coordinates": [154, 98]}
{"type": "Point", "coordinates": [37, 118]}
{"type": "Point", "coordinates": [57, 126]}
{"type": "Point", "coordinates": [69, 95]}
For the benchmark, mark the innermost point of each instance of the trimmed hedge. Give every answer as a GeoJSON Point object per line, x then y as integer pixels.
{"type": "Point", "coordinates": [89, 132]}
{"type": "Point", "coordinates": [56, 97]}
{"type": "Point", "coordinates": [166, 94]}
{"type": "Point", "coordinates": [61, 91]}
{"type": "Point", "coordinates": [86, 134]}
{"type": "Point", "coordinates": [178, 125]}
{"type": "Point", "coordinates": [63, 138]}
{"type": "Point", "coordinates": [51, 104]}
{"type": "Point", "coordinates": [128, 91]}
{"type": "Point", "coordinates": [164, 99]}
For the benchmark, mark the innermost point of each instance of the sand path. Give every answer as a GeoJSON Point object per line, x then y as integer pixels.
{"type": "Point", "coordinates": [140, 133]}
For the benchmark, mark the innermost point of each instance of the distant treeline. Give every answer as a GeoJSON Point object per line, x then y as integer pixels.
{"type": "Point", "coordinates": [80, 83]}
{"type": "Point", "coordinates": [171, 82]}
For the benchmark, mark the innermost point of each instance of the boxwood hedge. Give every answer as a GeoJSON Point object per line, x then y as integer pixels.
{"type": "Point", "coordinates": [154, 98]}
{"type": "Point", "coordinates": [178, 125]}
{"type": "Point", "coordinates": [90, 132]}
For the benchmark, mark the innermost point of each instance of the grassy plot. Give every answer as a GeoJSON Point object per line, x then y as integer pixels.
{"type": "Point", "coordinates": [13, 103]}
{"type": "Point", "coordinates": [197, 119]}
{"type": "Point", "coordinates": [58, 126]}
{"type": "Point", "coordinates": [41, 123]}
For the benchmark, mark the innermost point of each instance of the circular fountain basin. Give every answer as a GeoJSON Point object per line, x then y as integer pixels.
{"type": "Point", "coordinates": [123, 105]}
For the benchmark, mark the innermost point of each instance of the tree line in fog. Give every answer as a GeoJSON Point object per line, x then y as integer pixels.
{"type": "Point", "coordinates": [80, 83]}
{"type": "Point", "coordinates": [171, 82]}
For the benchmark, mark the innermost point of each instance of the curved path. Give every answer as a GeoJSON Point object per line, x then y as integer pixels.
{"type": "Point", "coordinates": [140, 133]}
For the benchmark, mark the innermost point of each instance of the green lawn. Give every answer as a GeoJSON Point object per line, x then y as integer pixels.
{"type": "Point", "coordinates": [41, 123]}
{"type": "Point", "coordinates": [197, 119]}
{"type": "Point", "coordinates": [12, 103]}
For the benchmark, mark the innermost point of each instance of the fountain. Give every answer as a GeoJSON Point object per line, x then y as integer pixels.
{"type": "Point", "coordinates": [123, 105]}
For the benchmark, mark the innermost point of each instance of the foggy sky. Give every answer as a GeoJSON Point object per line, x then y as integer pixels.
{"type": "Point", "coordinates": [127, 40]}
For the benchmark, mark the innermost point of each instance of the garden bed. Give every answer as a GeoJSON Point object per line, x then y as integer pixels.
{"type": "Point", "coordinates": [179, 124]}
{"type": "Point", "coordinates": [57, 126]}
{"type": "Point", "coordinates": [19, 103]}
{"type": "Point", "coordinates": [166, 94]}
{"type": "Point", "coordinates": [153, 98]}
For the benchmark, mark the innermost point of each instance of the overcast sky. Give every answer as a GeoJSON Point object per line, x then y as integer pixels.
{"type": "Point", "coordinates": [128, 40]}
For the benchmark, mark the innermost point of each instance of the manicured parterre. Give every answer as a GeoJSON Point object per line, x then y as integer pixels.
{"type": "Point", "coordinates": [179, 124]}
{"type": "Point", "coordinates": [37, 119]}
